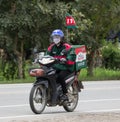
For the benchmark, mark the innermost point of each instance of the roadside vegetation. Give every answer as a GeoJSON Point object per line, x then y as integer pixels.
{"type": "Point", "coordinates": [99, 74]}
{"type": "Point", "coordinates": [26, 26]}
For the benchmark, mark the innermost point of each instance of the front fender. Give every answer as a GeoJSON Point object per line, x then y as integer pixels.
{"type": "Point", "coordinates": [41, 82]}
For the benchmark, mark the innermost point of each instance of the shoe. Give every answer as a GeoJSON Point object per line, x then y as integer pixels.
{"type": "Point", "coordinates": [64, 97]}
{"type": "Point", "coordinates": [52, 104]}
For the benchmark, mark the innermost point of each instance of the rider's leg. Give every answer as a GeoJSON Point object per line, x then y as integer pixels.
{"type": "Point", "coordinates": [54, 92]}
{"type": "Point", "coordinates": [61, 79]}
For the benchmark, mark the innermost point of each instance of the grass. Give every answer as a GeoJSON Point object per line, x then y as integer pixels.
{"type": "Point", "coordinates": [27, 80]}
{"type": "Point", "coordinates": [99, 74]}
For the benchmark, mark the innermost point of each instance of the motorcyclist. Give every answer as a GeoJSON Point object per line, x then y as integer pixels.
{"type": "Point", "coordinates": [68, 60]}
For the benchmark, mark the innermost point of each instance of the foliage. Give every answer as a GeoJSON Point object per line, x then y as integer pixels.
{"type": "Point", "coordinates": [102, 16]}
{"type": "Point", "coordinates": [28, 24]}
{"type": "Point", "coordinates": [25, 25]}
{"type": "Point", "coordinates": [111, 56]}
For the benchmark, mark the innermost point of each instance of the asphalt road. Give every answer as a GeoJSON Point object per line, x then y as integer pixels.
{"type": "Point", "coordinates": [100, 96]}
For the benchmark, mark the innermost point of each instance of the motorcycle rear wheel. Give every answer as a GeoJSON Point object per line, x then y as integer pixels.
{"type": "Point", "coordinates": [37, 99]}
{"type": "Point", "coordinates": [73, 99]}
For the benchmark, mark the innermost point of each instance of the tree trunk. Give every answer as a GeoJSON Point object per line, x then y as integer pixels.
{"type": "Point", "coordinates": [20, 66]}
{"type": "Point", "coordinates": [19, 57]}
{"type": "Point", "coordinates": [90, 64]}
{"type": "Point", "coordinates": [20, 62]}
{"type": "Point", "coordinates": [18, 48]}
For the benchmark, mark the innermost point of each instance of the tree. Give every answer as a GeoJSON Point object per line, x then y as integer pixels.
{"type": "Point", "coordinates": [17, 22]}
{"type": "Point", "coordinates": [100, 13]}
{"type": "Point", "coordinates": [25, 24]}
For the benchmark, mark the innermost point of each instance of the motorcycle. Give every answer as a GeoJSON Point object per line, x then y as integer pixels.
{"type": "Point", "coordinates": [42, 92]}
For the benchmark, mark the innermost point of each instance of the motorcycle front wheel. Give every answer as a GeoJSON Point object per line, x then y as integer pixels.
{"type": "Point", "coordinates": [73, 97]}
{"type": "Point", "coordinates": [37, 99]}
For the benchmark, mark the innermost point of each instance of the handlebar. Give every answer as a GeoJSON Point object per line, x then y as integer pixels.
{"type": "Point", "coordinates": [48, 60]}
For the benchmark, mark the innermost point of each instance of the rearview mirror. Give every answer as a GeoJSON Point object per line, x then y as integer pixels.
{"type": "Point", "coordinates": [41, 54]}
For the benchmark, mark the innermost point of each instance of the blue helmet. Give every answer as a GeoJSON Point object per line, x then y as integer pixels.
{"type": "Point", "coordinates": [58, 32]}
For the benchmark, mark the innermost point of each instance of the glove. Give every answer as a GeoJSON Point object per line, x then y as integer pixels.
{"type": "Point", "coordinates": [63, 60]}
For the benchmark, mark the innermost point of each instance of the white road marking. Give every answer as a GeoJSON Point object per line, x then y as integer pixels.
{"type": "Point", "coordinates": [9, 106]}
{"type": "Point", "coordinates": [16, 92]}
{"type": "Point", "coordinates": [81, 101]}
{"type": "Point", "coordinates": [98, 100]}
{"type": "Point", "coordinates": [101, 88]}
{"type": "Point", "coordinates": [19, 85]}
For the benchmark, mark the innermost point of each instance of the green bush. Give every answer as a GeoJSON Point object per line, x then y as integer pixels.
{"type": "Point", "coordinates": [111, 57]}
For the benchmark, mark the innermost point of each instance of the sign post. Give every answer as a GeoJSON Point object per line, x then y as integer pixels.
{"type": "Point", "coordinates": [70, 23]}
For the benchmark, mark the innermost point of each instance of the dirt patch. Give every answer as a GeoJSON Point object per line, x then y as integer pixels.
{"type": "Point", "coordinates": [99, 117]}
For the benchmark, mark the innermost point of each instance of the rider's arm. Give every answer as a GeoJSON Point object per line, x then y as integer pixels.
{"type": "Point", "coordinates": [70, 59]}
{"type": "Point", "coordinates": [71, 62]}
{"type": "Point", "coordinates": [49, 50]}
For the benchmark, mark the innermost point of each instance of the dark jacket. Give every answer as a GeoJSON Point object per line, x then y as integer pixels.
{"type": "Point", "coordinates": [55, 51]}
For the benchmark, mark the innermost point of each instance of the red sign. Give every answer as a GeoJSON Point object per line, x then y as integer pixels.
{"type": "Point", "coordinates": [70, 21]}
{"type": "Point", "coordinates": [80, 49]}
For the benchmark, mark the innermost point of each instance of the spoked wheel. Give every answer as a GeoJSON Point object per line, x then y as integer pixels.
{"type": "Point", "coordinates": [37, 99]}
{"type": "Point", "coordinates": [73, 99]}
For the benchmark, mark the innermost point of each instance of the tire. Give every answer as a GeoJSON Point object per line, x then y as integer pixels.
{"type": "Point", "coordinates": [73, 99]}
{"type": "Point", "coordinates": [37, 99]}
